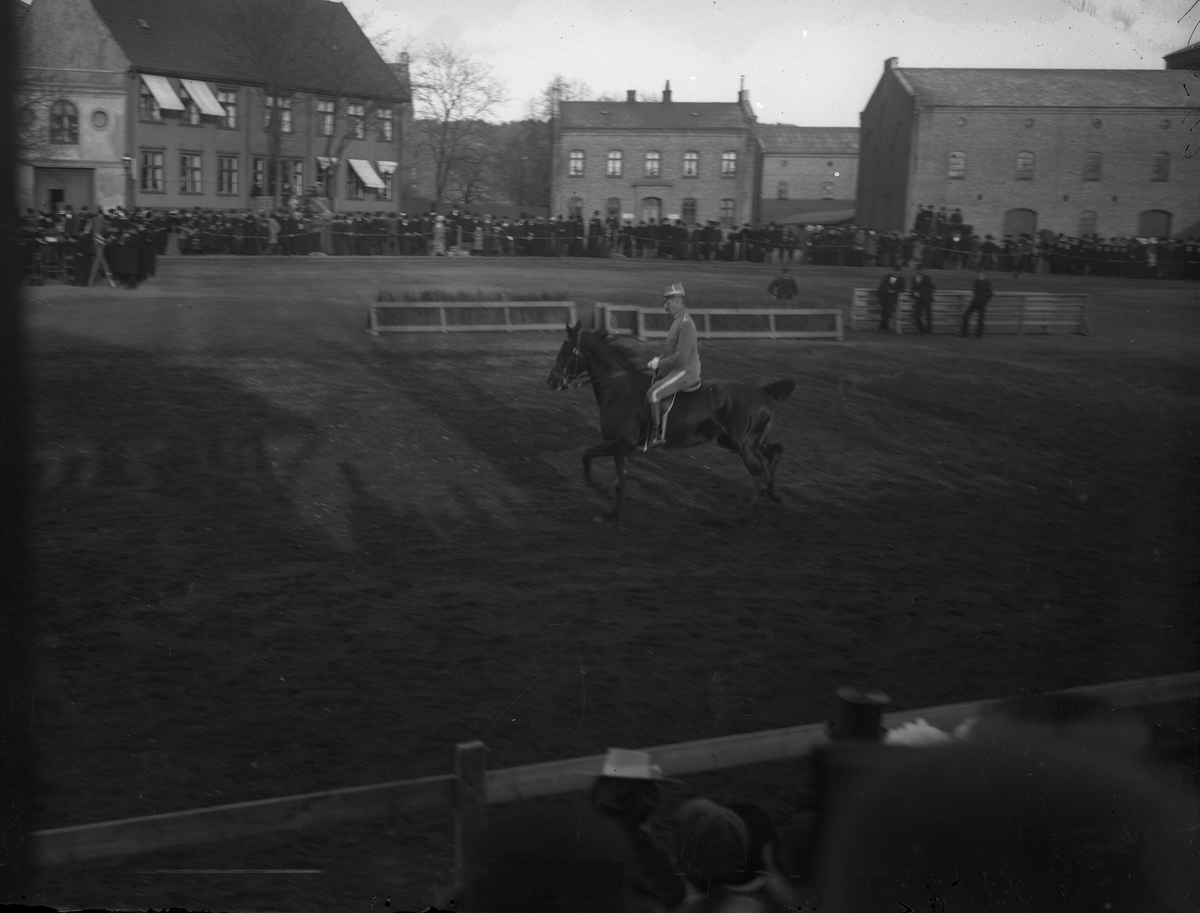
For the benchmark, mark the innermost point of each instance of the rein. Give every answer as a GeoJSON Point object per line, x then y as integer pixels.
{"type": "Point", "coordinates": [587, 377]}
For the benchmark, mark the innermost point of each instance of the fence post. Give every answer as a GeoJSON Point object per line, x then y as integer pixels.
{"type": "Point", "coordinates": [860, 714]}
{"type": "Point", "coordinates": [470, 767]}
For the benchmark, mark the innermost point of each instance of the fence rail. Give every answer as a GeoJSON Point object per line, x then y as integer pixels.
{"type": "Point", "coordinates": [473, 316]}
{"type": "Point", "coordinates": [724, 323]}
{"type": "Point", "coordinates": [1007, 312]}
{"type": "Point", "coordinates": [473, 786]}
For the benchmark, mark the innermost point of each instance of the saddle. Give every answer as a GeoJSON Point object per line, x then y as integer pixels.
{"type": "Point", "coordinates": [665, 410]}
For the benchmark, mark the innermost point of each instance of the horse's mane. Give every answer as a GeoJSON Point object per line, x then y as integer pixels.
{"type": "Point", "coordinates": [619, 349]}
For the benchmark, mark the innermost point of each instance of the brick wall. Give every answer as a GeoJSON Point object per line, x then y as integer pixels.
{"type": "Point", "coordinates": [807, 175]}
{"type": "Point", "coordinates": [885, 163]}
{"type": "Point", "coordinates": [708, 188]}
{"type": "Point", "coordinates": [1060, 140]}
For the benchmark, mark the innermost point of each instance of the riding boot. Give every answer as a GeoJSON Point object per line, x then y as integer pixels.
{"type": "Point", "coordinates": [653, 432]}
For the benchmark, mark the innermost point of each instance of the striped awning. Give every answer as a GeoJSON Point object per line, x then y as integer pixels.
{"type": "Point", "coordinates": [386, 168]}
{"type": "Point", "coordinates": [164, 94]}
{"type": "Point", "coordinates": [203, 96]}
{"type": "Point", "coordinates": [367, 174]}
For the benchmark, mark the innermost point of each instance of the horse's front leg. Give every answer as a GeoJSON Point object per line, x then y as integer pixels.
{"type": "Point", "coordinates": [608, 448]}
{"type": "Point", "coordinates": [619, 490]}
{"type": "Point", "coordinates": [759, 473]}
{"type": "Point", "coordinates": [772, 452]}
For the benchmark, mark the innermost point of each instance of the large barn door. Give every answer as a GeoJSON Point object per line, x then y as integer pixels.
{"type": "Point", "coordinates": [1019, 222]}
{"type": "Point", "coordinates": [1154, 223]}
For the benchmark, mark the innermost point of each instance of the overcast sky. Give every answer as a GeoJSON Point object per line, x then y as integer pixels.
{"type": "Point", "coordinates": [808, 62]}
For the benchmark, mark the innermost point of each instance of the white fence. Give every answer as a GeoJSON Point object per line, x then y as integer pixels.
{"type": "Point", "coordinates": [724, 323]}
{"type": "Point", "coordinates": [1007, 312]}
{"type": "Point", "coordinates": [468, 316]}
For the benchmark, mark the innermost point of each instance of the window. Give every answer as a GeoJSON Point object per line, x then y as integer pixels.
{"type": "Point", "coordinates": [189, 173]}
{"type": "Point", "coordinates": [1093, 163]}
{"type": "Point", "coordinates": [278, 113]}
{"type": "Point", "coordinates": [615, 161]}
{"type": "Point", "coordinates": [1024, 166]}
{"type": "Point", "coordinates": [727, 213]}
{"type": "Point", "coordinates": [227, 174]}
{"type": "Point", "coordinates": [1087, 224]}
{"type": "Point", "coordinates": [728, 164]}
{"type": "Point", "coordinates": [148, 109]}
{"type": "Point", "coordinates": [958, 166]}
{"type": "Point", "coordinates": [357, 115]}
{"type": "Point", "coordinates": [781, 192]}
{"type": "Point", "coordinates": [1161, 170]}
{"type": "Point", "coordinates": [325, 117]}
{"type": "Point", "coordinates": [191, 110]}
{"type": "Point", "coordinates": [229, 101]}
{"type": "Point", "coordinates": [152, 171]}
{"type": "Point", "coordinates": [653, 164]}
{"type": "Point", "coordinates": [691, 164]}
{"type": "Point", "coordinates": [325, 174]}
{"type": "Point", "coordinates": [575, 164]}
{"type": "Point", "coordinates": [294, 171]}
{"type": "Point", "coordinates": [384, 193]}
{"type": "Point", "coordinates": [355, 188]}
{"type": "Point", "coordinates": [64, 123]}
{"type": "Point", "coordinates": [689, 211]}
{"type": "Point", "coordinates": [575, 208]}
{"type": "Point", "coordinates": [383, 119]}
{"type": "Point", "coordinates": [264, 178]}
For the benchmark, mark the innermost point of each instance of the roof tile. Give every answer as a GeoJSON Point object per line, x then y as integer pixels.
{"type": "Point", "coordinates": [790, 139]}
{"type": "Point", "coordinates": [1046, 88]}
{"type": "Point", "coordinates": [650, 115]}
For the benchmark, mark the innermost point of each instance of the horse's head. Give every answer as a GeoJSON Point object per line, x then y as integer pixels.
{"type": "Point", "coordinates": [569, 366]}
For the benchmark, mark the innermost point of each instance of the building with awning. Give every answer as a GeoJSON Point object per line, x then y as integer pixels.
{"type": "Point", "coordinates": [172, 104]}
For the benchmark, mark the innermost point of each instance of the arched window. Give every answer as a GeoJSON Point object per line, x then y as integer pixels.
{"type": "Point", "coordinates": [1093, 163]}
{"type": "Point", "coordinates": [1087, 223]}
{"type": "Point", "coordinates": [575, 164]}
{"type": "Point", "coordinates": [1024, 166]}
{"type": "Point", "coordinates": [1161, 170]}
{"type": "Point", "coordinates": [575, 208]}
{"type": "Point", "coordinates": [689, 211]}
{"type": "Point", "coordinates": [651, 209]}
{"type": "Point", "coordinates": [782, 191]}
{"type": "Point", "coordinates": [653, 164]}
{"type": "Point", "coordinates": [728, 164]}
{"type": "Point", "coordinates": [958, 166]}
{"type": "Point", "coordinates": [615, 161]}
{"type": "Point", "coordinates": [727, 213]}
{"type": "Point", "coordinates": [64, 123]}
{"type": "Point", "coordinates": [691, 164]}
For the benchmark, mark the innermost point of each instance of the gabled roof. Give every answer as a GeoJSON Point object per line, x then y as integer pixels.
{"type": "Point", "coordinates": [793, 140]}
{"type": "Point", "coordinates": [652, 115]}
{"type": "Point", "coordinates": [210, 39]}
{"type": "Point", "coordinates": [1046, 88]}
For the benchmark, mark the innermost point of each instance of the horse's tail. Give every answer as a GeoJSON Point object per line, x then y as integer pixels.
{"type": "Point", "coordinates": [780, 389]}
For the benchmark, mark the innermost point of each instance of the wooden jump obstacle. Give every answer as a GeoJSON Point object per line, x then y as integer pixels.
{"type": "Point", "coordinates": [1007, 312]}
{"type": "Point", "coordinates": [468, 316]}
{"type": "Point", "coordinates": [723, 323]}
{"type": "Point", "coordinates": [472, 787]}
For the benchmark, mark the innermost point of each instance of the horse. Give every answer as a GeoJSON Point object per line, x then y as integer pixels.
{"type": "Point", "coordinates": [737, 416]}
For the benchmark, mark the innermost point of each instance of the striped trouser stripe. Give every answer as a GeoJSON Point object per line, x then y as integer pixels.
{"type": "Point", "coordinates": [657, 388]}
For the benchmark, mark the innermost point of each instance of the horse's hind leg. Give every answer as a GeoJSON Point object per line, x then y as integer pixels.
{"type": "Point", "coordinates": [759, 473]}
{"type": "Point", "coordinates": [619, 490]}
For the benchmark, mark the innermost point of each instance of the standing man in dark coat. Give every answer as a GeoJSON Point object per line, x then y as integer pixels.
{"type": "Point", "coordinates": [981, 294]}
{"type": "Point", "coordinates": [922, 293]}
{"type": "Point", "coordinates": [889, 296]}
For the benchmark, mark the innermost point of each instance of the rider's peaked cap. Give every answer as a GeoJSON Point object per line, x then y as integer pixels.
{"type": "Point", "coordinates": [673, 291]}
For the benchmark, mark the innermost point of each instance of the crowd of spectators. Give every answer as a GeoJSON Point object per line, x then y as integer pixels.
{"type": "Point", "coordinates": [51, 241]}
{"type": "Point", "coordinates": [1060, 803]}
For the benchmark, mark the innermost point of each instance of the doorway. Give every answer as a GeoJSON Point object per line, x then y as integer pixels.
{"type": "Point", "coordinates": [57, 188]}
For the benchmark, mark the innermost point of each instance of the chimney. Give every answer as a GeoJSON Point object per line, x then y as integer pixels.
{"type": "Point", "coordinates": [630, 95]}
{"type": "Point", "coordinates": [667, 91]}
{"type": "Point", "coordinates": [891, 63]}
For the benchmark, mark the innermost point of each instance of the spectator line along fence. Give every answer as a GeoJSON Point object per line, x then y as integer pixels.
{"type": "Point", "coordinates": [454, 316]}
{"type": "Point", "coordinates": [472, 787]}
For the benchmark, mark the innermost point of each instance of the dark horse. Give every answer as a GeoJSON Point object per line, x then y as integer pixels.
{"type": "Point", "coordinates": [736, 416]}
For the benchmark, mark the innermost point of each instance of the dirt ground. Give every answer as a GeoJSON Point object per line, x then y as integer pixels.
{"type": "Point", "coordinates": [277, 555]}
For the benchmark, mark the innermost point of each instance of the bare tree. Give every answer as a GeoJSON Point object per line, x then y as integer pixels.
{"type": "Point", "coordinates": [453, 95]}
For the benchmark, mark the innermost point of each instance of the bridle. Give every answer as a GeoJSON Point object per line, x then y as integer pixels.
{"type": "Point", "coordinates": [580, 376]}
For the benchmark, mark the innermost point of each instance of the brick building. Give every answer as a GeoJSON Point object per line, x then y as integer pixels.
{"type": "Point", "coordinates": [1075, 151]}
{"type": "Point", "coordinates": [806, 170]}
{"type": "Point", "coordinates": [186, 103]}
{"type": "Point", "coordinates": [695, 161]}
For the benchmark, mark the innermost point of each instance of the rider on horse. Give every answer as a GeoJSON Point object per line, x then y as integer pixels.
{"type": "Point", "coordinates": [678, 368]}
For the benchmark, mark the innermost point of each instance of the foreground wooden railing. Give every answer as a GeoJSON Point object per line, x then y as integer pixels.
{"type": "Point", "coordinates": [723, 323]}
{"type": "Point", "coordinates": [472, 787]}
{"type": "Point", "coordinates": [1007, 312]}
